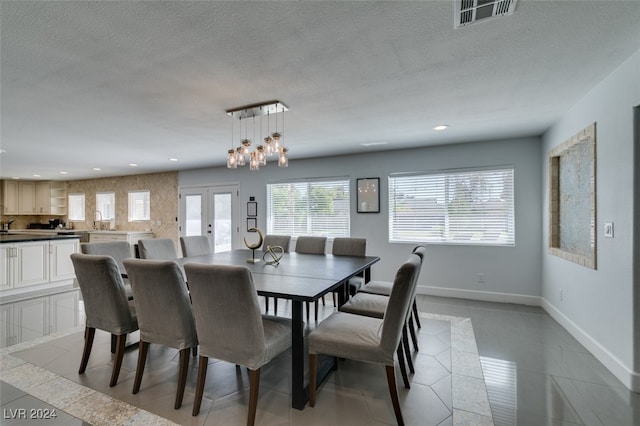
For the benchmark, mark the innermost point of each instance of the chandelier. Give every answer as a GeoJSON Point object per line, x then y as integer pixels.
{"type": "Point", "coordinates": [272, 144]}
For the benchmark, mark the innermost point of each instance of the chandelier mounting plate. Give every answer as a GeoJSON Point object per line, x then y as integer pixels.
{"type": "Point", "coordinates": [256, 110]}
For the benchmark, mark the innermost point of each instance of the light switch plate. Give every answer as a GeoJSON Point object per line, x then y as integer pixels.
{"type": "Point", "coordinates": [608, 229]}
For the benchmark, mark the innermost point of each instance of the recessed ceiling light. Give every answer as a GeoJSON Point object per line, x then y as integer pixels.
{"type": "Point", "coordinates": [440, 127]}
{"type": "Point", "coordinates": [15, 177]}
{"type": "Point", "coordinates": [173, 159]}
{"type": "Point", "coordinates": [64, 173]}
{"type": "Point", "coordinates": [97, 169]}
{"type": "Point", "coordinates": [36, 175]}
{"type": "Point", "coordinates": [133, 165]}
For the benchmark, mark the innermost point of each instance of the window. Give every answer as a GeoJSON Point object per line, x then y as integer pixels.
{"type": "Point", "coordinates": [76, 207]}
{"type": "Point", "coordinates": [105, 206]}
{"type": "Point", "coordinates": [309, 207]}
{"type": "Point", "coordinates": [453, 207]}
{"type": "Point", "coordinates": [139, 206]}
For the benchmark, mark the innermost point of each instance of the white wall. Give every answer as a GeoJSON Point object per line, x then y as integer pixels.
{"type": "Point", "coordinates": [448, 269]}
{"type": "Point", "coordinates": [598, 304]}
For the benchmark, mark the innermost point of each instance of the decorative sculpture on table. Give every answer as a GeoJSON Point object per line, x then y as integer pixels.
{"type": "Point", "coordinates": [253, 247]}
{"type": "Point", "coordinates": [276, 253]}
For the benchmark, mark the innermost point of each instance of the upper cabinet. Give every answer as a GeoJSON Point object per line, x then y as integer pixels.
{"type": "Point", "coordinates": [34, 198]}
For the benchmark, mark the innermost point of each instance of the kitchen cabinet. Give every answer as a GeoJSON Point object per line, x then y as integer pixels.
{"type": "Point", "coordinates": [36, 263]}
{"type": "Point", "coordinates": [34, 197]}
{"type": "Point", "coordinates": [27, 198]}
{"type": "Point", "coordinates": [43, 197]}
{"type": "Point", "coordinates": [10, 196]}
{"type": "Point", "coordinates": [132, 237]}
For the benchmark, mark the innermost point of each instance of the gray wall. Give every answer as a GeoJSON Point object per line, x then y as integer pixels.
{"type": "Point", "coordinates": [511, 273]}
{"type": "Point", "coordinates": [597, 307]}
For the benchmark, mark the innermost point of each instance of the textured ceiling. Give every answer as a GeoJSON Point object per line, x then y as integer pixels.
{"type": "Point", "coordinates": [107, 83]}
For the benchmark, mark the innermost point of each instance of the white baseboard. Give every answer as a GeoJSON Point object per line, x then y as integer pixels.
{"type": "Point", "coordinates": [485, 296]}
{"type": "Point", "coordinates": [629, 378]}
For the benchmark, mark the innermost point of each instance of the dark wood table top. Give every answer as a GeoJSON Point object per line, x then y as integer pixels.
{"type": "Point", "coordinates": [304, 277]}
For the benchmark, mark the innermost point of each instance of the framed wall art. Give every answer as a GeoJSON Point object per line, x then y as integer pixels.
{"type": "Point", "coordinates": [368, 195]}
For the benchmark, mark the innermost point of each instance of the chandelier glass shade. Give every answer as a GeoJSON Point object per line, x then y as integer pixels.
{"type": "Point", "coordinates": [271, 145]}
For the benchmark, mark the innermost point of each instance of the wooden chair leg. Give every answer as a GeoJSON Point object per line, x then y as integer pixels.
{"type": "Point", "coordinates": [121, 341]}
{"type": "Point", "coordinates": [254, 387]}
{"type": "Point", "coordinates": [412, 331]}
{"type": "Point", "coordinates": [307, 306]}
{"type": "Point", "coordinates": [407, 350]}
{"type": "Point", "coordinates": [275, 306]}
{"type": "Point", "coordinates": [194, 351]}
{"type": "Point", "coordinates": [266, 304]}
{"type": "Point", "coordinates": [313, 372]}
{"type": "Point", "coordinates": [391, 379]}
{"type": "Point", "coordinates": [202, 377]}
{"type": "Point", "coordinates": [89, 334]}
{"type": "Point", "coordinates": [403, 369]}
{"type": "Point", "coordinates": [143, 349]}
{"type": "Point", "coordinates": [318, 308]}
{"type": "Point", "coordinates": [415, 313]}
{"type": "Point", "coordinates": [182, 376]}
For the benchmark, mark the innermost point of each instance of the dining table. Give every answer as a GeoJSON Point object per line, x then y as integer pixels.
{"type": "Point", "coordinates": [299, 278]}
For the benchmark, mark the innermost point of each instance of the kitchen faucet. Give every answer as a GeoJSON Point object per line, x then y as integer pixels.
{"type": "Point", "coordinates": [99, 226]}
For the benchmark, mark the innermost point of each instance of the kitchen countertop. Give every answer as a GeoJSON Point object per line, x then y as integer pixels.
{"type": "Point", "coordinates": [15, 237]}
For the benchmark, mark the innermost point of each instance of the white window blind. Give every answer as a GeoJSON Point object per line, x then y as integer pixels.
{"type": "Point", "coordinates": [453, 207]}
{"type": "Point", "coordinates": [76, 207]}
{"type": "Point", "coordinates": [139, 208]}
{"type": "Point", "coordinates": [309, 207]}
{"type": "Point", "coordinates": [105, 206]}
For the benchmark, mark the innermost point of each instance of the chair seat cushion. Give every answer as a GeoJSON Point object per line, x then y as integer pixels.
{"type": "Point", "coordinates": [355, 283]}
{"type": "Point", "coordinates": [350, 336]}
{"type": "Point", "coordinates": [377, 287]}
{"type": "Point", "coordinates": [371, 305]}
{"type": "Point", "coordinates": [277, 336]}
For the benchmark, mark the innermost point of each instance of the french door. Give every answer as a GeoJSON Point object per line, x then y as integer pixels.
{"type": "Point", "coordinates": [211, 211]}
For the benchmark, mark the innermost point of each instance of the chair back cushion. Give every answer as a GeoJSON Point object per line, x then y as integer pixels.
{"type": "Point", "coordinates": [349, 246]}
{"type": "Point", "coordinates": [311, 245]}
{"type": "Point", "coordinates": [119, 250]}
{"type": "Point", "coordinates": [277, 240]}
{"type": "Point", "coordinates": [162, 303]}
{"type": "Point", "coordinates": [105, 302]}
{"type": "Point", "coordinates": [227, 313]}
{"type": "Point", "coordinates": [157, 248]}
{"type": "Point", "coordinates": [195, 245]}
{"type": "Point", "coordinates": [400, 299]}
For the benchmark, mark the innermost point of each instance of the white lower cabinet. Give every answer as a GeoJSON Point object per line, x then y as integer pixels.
{"type": "Point", "coordinates": [36, 262]}
{"type": "Point", "coordinates": [29, 319]}
{"type": "Point", "coordinates": [32, 263]}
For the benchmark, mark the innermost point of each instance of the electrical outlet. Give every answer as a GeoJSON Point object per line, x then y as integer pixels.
{"type": "Point", "coordinates": [480, 278]}
{"type": "Point", "coordinates": [608, 229]}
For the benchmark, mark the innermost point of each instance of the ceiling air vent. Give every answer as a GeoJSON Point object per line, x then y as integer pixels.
{"type": "Point", "coordinates": [472, 11]}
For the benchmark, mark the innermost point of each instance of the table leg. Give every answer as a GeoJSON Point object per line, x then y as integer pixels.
{"type": "Point", "coordinates": [299, 395]}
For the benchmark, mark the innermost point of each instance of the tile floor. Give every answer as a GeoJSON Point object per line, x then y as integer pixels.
{"type": "Point", "coordinates": [479, 363]}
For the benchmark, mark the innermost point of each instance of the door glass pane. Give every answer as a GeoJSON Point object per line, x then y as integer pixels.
{"type": "Point", "coordinates": [222, 222]}
{"type": "Point", "coordinates": [193, 225]}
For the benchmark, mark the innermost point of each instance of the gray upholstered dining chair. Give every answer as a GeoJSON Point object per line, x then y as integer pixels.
{"type": "Point", "coordinates": [106, 305]}
{"type": "Point", "coordinates": [273, 241]}
{"type": "Point", "coordinates": [375, 305]}
{"type": "Point", "coordinates": [367, 339]}
{"type": "Point", "coordinates": [311, 245]}
{"type": "Point", "coordinates": [164, 314]}
{"type": "Point", "coordinates": [344, 246]}
{"type": "Point", "coordinates": [119, 250]}
{"type": "Point", "coordinates": [384, 288]}
{"type": "Point", "coordinates": [195, 245]}
{"type": "Point", "coordinates": [230, 326]}
{"type": "Point", "coordinates": [157, 248]}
